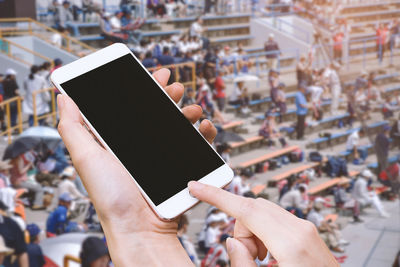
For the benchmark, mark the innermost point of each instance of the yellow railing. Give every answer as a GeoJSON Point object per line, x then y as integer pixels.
{"type": "Point", "coordinates": [38, 29]}
{"type": "Point", "coordinates": [53, 111]}
{"type": "Point", "coordinates": [68, 258]}
{"type": "Point", "coordinates": [175, 68]}
{"type": "Point", "coordinates": [5, 105]}
{"type": "Point", "coordinates": [8, 47]}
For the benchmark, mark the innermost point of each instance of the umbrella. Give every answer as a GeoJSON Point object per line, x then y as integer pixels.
{"type": "Point", "coordinates": [39, 138]}
{"type": "Point", "coordinates": [246, 78]}
{"type": "Point", "coordinates": [56, 248]}
{"type": "Point", "coordinates": [226, 137]}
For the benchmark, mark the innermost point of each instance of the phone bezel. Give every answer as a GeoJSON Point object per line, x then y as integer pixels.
{"type": "Point", "coordinates": [181, 201]}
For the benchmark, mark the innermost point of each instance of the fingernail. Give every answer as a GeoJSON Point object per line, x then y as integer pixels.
{"type": "Point", "coordinates": [230, 245]}
{"type": "Point", "coordinates": [60, 101]}
{"type": "Point", "coordinates": [194, 186]}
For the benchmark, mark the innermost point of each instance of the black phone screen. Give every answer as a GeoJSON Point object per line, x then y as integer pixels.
{"type": "Point", "coordinates": [144, 129]}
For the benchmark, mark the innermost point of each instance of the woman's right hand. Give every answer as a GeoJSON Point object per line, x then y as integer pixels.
{"type": "Point", "coordinates": [262, 225]}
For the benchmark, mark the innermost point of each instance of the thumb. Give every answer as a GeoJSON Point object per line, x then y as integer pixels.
{"type": "Point", "coordinates": [239, 254]}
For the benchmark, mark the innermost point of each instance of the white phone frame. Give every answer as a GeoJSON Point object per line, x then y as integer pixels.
{"type": "Point", "coordinates": [181, 201]}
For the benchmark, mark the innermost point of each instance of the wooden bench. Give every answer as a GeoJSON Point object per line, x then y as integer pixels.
{"type": "Point", "coordinates": [258, 189]}
{"type": "Point", "coordinates": [238, 147]}
{"type": "Point", "coordinates": [232, 126]}
{"type": "Point", "coordinates": [267, 157]}
{"type": "Point", "coordinates": [331, 183]}
{"type": "Point", "coordinates": [293, 171]}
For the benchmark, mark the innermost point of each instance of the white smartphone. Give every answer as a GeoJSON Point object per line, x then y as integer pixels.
{"type": "Point", "coordinates": [132, 116]}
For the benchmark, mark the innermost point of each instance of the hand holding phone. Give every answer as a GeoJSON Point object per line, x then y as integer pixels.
{"type": "Point", "coordinates": [131, 227]}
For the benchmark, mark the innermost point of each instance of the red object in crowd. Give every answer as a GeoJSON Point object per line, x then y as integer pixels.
{"type": "Point", "coordinates": [338, 41]}
{"type": "Point", "coordinates": [219, 87]}
{"type": "Point", "coordinates": [381, 35]}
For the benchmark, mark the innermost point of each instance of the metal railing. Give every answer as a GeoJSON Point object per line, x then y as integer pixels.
{"type": "Point", "coordinates": [53, 112]}
{"type": "Point", "coordinates": [16, 51]}
{"type": "Point", "coordinates": [68, 258]}
{"type": "Point", "coordinates": [177, 70]}
{"type": "Point", "coordinates": [6, 106]}
{"type": "Point", "coordinates": [28, 26]}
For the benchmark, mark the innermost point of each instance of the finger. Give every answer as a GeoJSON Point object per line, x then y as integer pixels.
{"type": "Point", "coordinates": [192, 113]}
{"type": "Point", "coordinates": [72, 130]}
{"type": "Point", "coordinates": [238, 254]}
{"type": "Point", "coordinates": [252, 243]}
{"type": "Point", "coordinates": [264, 219]}
{"type": "Point", "coordinates": [162, 76]}
{"type": "Point", "coordinates": [208, 130]}
{"type": "Point", "coordinates": [175, 91]}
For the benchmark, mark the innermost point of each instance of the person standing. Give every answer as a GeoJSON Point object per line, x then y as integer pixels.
{"type": "Point", "coordinates": [332, 80]}
{"type": "Point", "coordinates": [63, 15]}
{"type": "Point", "coordinates": [13, 238]}
{"type": "Point", "coordinates": [381, 38]}
{"type": "Point", "coordinates": [35, 254]}
{"type": "Point", "coordinates": [197, 30]}
{"type": "Point", "coordinates": [338, 46]}
{"type": "Point", "coordinates": [301, 111]}
{"type": "Point", "coordinates": [10, 87]}
{"type": "Point", "coordinates": [382, 145]}
{"type": "Point", "coordinates": [32, 84]}
{"type": "Point", "coordinates": [273, 52]}
{"type": "Point", "coordinates": [219, 92]}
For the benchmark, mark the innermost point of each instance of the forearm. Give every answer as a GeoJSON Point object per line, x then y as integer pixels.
{"type": "Point", "coordinates": [23, 260]}
{"type": "Point", "coordinates": [145, 249]}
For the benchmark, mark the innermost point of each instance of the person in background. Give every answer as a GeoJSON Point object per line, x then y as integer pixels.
{"type": "Point", "coordinates": [217, 254]}
{"type": "Point", "coordinates": [189, 98]}
{"type": "Point", "coordinates": [4, 251]}
{"type": "Point", "coordinates": [338, 46]}
{"type": "Point", "coordinates": [11, 87]}
{"type": "Point", "coordinates": [197, 29]}
{"type": "Point", "coordinates": [58, 221]}
{"type": "Point", "coordinates": [382, 33]}
{"type": "Point", "coordinates": [35, 254]}
{"type": "Point", "coordinates": [187, 244]}
{"type": "Point", "coordinates": [269, 129]}
{"type": "Point", "coordinates": [271, 47]}
{"type": "Point", "coordinates": [148, 61]}
{"type": "Point", "coordinates": [214, 224]}
{"type": "Point", "coordinates": [353, 143]}
{"type": "Point", "coordinates": [224, 151]}
{"type": "Point", "coordinates": [361, 194]}
{"type": "Point", "coordinates": [303, 68]}
{"type": "Point", "coordinates": [333, 82]}
{"type": "Point", "coordinates": [382, 146]}
{"type": "Point", "coordinates": [94, 253]}
{"type": "Point", "coordinates": [328, 230]}
{"type": "Point", "coordinates": [32, 84]}
{"type": "Point", "coordinates": [301, 111]}
{"type": "Point", "coordinates": [240, 97]}
{"type": "Point", "coordinates": [281, 100]}
{"type": "Point", "coordinates": [388, 107]}
{"type": "Point", "coordinates": [13, 237]}
{"type": "Point", "coordinates": [19, 178]}
{"type": "Point", "coordinates": [219, 92]}
{"type": "Point", "coordinates": [67, 184]}
{"type": "Point", "coordinates": [395, 133]}
{"type": "Point", "coordinates": [344, 201]}
{"type": "Point", "coordinates": [239, 184]}
{"type": "Point", "coordinates": [292, 201]}
{"type": "Point", "coordinates": [2, 113]}
{"type": "Point", "coordinates": [63, 15]}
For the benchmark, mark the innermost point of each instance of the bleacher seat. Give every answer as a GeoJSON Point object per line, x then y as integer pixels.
{"type": "Point", "coordinates": [267, 157]}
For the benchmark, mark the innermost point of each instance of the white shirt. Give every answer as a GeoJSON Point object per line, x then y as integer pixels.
{"type": "Point", "coordinates": [316, 93]}
{"type": "Point", "coordinates": [67, 186]}
{"type": "Point", "coordinates": [196, 29]}
{"type": "Point", "coordinates": [237, 186]}
{"type": "Point", "coordinates": [360, 191]}
{"type": "Point", "coordinates": [212, 234]}
{"type": "Point", "coordinates": [235, 94]}
{"type": "Point", "coordinates": [56, 39]}
{"type": "Point", "coordinates": [292, 199]}
{"type": "Point", "coordinates": [30, 86]}
{"type": "Point", "coordinates": [115, 23]}
{"type": "Point", "coordinates": [315, 217]}
{"type": "Point", "coordinates": [352, 140]}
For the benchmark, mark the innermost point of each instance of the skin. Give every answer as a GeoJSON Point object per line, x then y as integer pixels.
{"type": "Point", "coordinates": [137, 237]}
